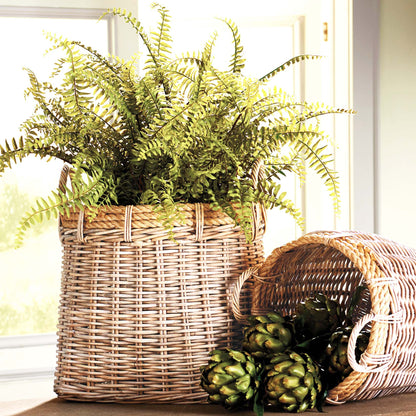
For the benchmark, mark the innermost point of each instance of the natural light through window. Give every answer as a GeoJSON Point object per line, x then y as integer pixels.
{"type": "Point", "coordinates": [30, 276]}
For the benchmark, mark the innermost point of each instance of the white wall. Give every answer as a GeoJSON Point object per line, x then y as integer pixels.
{"type": "Point", "coordinates": [396, 158]}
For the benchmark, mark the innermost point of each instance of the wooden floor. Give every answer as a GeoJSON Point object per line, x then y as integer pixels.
{"type": "Point", "coordinates": [399, 405]}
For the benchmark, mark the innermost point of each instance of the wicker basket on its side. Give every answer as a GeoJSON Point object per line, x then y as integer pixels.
{"type": "Point", "coordinates": [139, 312]}
{"type": "Point", "coordinates": [335, 263]}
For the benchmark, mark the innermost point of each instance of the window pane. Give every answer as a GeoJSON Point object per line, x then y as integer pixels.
{"type": "Point", "coordinates": [30, 275]}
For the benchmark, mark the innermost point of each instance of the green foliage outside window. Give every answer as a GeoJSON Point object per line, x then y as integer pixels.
{"type": "Point", "coordinates": [13, 205]}
{"type": "Point", "coordinates": [22, 311]}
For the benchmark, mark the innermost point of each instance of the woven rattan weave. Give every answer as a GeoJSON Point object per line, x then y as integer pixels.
{"type": "Point", "coordinates": [335, 263]}
{"type": "Point", "coordinates": [139, 312]}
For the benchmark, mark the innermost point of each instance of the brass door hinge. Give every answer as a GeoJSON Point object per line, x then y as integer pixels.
{"type": "Point", "coordinates": [325, 31]}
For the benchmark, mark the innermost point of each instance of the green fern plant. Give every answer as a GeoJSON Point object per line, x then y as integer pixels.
{"type": "Point", "coordinates": [182, 131]}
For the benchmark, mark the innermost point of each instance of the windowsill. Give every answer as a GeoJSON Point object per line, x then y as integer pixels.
{"type": "Point", "coordinates": [47, 405]}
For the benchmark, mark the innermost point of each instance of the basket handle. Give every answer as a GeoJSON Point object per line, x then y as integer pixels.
{"type": "Point", "coordinates": [235, 296]}
{"type": "Point", "coordinates": [370, 363]}
{"type": "Point", "coordinates": [259, 213]}
{"type": "Point", "coordinates": [65, 173]}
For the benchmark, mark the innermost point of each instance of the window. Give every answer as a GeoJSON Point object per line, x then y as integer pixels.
{"type": "Point", "coordinates": [30, 275]}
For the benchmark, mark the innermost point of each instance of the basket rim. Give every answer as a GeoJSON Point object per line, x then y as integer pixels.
{"type": "Point", "coordinates": [145, 216]}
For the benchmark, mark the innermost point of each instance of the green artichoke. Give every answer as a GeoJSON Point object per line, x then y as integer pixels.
{"type": "Point", "coordinates": [231, 378]}
{"type": "Point", "coordinates": [267, 335]}
{"type": "Point", "coordinates": [292, 382]}
{"type": "Point", "coordinates": [337, 354]}
{"type": "Point", "coordinates": [316, 316]}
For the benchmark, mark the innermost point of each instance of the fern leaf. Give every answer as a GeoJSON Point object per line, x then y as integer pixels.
{"type": "Point", "coordinates": [237, 60]}
{"type": "Point", "coordinates": [162, 39]}
{"type": "Point", "coordinates": [289, 62]}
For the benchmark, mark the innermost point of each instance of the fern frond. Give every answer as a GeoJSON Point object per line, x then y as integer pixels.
{"type": "Point", "coordinates": [183, 131]}
{"type": "Point", "coordinates": [136, 25]}
{"type": "Point", "coordinates": [289, 62]}
{"type": "Point", "coordinates": [61, 202]}
{"type": "Point", "coordinates": [12, 152]}
{"type": "Point", "coordinates": [271, 196]}
{"type": "Point", "coordinates": [321, 112]}
{"type": "Point", "coordinates": [162, 39]}
{"type": "Point", "coordinates": [154, 62]}
{"type": "Point", "coordinates": [320, 162]}
{"type": "Point", "coordinates": [237, 61]}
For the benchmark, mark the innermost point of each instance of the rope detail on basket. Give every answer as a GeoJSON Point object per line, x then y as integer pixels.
{"type": "Point", "coordinates": [80, 226]}
{"type": "Point", "coordinates": [339, 234]}
{"type": "Point", "coordinates": [127, 224]}
{"type": "Point", "coordinates": [381, 281]}
{"type": "Point", "coordinates": [199, 221]}
{"type": "Point", "coordinates": [371, 363]}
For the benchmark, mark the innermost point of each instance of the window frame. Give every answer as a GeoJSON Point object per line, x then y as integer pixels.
{"type": "Point", "coordinates": [122, 42]}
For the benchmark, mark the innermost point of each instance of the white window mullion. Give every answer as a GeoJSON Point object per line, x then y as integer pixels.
{"type": "Point", "coordinates": [123, 40]}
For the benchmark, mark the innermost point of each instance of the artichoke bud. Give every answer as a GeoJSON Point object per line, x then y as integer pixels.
{"type": "Point", "coordinates": [275, 317]}
{"type": "Point", "coordinates": [235, 370]}
{"type": "Point", "coordinates": [278, 358]}
{"type": "Point", "coordinates": [220, 379]}
{"type": "Point", "coordinates": [297, 370]}
{"type": "Point", "coordinates": [232, 400]}
{"type": "Point", "coordinates": [243, 383]}
{"type": "Point", "coordinates": [238, 356]}
{"type": "Point", "coordinates": [251, 368]}
{"type": "Point", "coordinates": [274, 345]}
{"type": "Point", "coordinates": [264, 329]}
{"type": "Point", "coordinates": [258, 319]}
{"type": "Point", "coordinates": [275, 378]}
{"type": "Point", "coordinates": [304, 406]}
{"type": "Point", "coordinates": [290, 382]}
{"type": "Point", "coordinates": [233, 381]}
{"type": "Point", "coordinates": [249, 393]}
{"type": "Point", "coordinates": [220, 367]}
{"type": "Point", "coordinates": [277, 391]}
{"type": "Point", "coordinates": [215, 398]}
{"type": "Point", "coordinates": [273, 328]}
{"type": "Point", "coordinates": [314, 394]}
{"type": "Point", "coordinates": [259, 339]}
{"type": "Point", "coordinates": [337, 353]}
{"type": "Point", "coordinates": [297, 357]}
{"type": "Point", "coordinates": [218, 356]}
{"type": "Point", "coordinates": [317, 316]}
{"type": "Point", "coordinates": [267, 335]}
{"type": "Point", "coordinates": [300, 392]}
{"type": "Point", "coordinates": [283, 366]}
{"type": "Point", "coordinates": [287, 399]}
{"type": "Point", "coordinates": [308, 380]}
{"type": "Point", "coordinates": [229, 389]}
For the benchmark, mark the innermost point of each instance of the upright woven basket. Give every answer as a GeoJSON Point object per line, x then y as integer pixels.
{"type": "Point", "coordinates": [139, 312]}
{"type": "Point", "coordinates": [335, 263]}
